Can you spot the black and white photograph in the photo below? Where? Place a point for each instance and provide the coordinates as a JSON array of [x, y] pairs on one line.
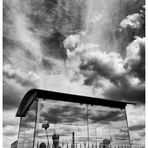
[[73, 73]]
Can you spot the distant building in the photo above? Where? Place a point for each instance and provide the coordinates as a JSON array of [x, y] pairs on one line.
[[14, 144]]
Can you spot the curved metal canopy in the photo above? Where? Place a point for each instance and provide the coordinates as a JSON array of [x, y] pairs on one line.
[[33, 94]]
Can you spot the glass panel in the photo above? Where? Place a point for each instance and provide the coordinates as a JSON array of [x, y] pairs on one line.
[[26, 131], [107, 127], [72, 125], [67, 124]]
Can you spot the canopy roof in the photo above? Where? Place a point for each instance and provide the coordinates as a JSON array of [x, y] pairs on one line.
[[33, 94]]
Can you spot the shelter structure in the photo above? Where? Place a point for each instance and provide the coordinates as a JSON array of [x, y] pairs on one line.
[[58, 120]]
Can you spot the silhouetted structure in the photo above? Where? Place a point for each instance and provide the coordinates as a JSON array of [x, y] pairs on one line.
[[85, 117]]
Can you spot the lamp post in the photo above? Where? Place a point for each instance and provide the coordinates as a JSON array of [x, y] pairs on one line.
[[73, 140], [46, 126]]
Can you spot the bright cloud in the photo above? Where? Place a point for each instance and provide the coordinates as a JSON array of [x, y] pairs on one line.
[[133, 21], [135, 58]]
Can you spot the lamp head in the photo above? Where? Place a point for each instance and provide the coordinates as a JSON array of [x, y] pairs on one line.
[[45, 125]]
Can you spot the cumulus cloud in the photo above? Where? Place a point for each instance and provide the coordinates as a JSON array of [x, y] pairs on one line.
[[133, 21], [135, 58], [95, 68], [71, 42], [110, 64], [93, 62], [93, 65]]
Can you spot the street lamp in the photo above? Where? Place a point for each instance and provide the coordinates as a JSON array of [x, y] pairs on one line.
[[46, 126]]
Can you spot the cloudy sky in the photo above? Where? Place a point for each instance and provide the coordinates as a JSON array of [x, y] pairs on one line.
[[93, 48]]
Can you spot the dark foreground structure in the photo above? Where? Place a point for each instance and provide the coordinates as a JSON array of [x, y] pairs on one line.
[[57, 120]]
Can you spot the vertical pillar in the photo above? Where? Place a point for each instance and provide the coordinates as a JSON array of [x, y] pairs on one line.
[[73, 139], [87, 125], [35, 128], [127, 127]]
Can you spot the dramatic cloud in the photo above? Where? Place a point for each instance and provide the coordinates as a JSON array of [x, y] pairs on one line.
[[95, 66], [135, 74], [93, 48], [69, 114], [64, 114], [133, 21], [104, 117], [135, 59], [133, 94], [71, 42], [21, 81]]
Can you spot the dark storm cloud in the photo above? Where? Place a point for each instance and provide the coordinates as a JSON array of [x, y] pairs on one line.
[[52, 116], [8, 43], [65, 114], [69, 114], [133, 94], [15, 84], [54, 46], [47, 64], [11, 97], [94, 68], [137, 127], [104, 117], [124, 90]]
